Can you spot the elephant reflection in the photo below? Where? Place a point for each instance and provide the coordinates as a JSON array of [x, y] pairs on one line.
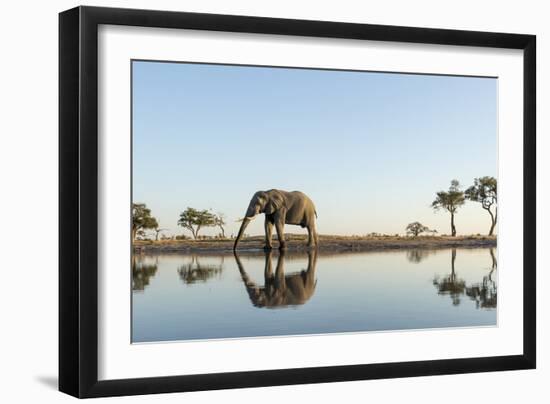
[[484, 293], [280, 290], [142, 272], [194, 271]]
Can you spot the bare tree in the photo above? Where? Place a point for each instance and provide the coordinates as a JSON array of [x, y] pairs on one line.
[[219, 221], [157, 232]]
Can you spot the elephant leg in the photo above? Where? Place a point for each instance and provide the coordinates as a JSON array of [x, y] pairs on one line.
[[279, 225], [310, 242], [312, 236], [268, 225]]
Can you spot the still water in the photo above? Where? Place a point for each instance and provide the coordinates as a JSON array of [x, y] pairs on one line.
[[183, 296]]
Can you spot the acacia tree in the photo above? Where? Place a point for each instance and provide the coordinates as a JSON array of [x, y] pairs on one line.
[[219, 220], [194, 220], [450, 201], [484, 191], [142, 219], [416, 228]]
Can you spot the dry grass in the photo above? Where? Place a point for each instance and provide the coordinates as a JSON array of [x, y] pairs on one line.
[[298, 242]]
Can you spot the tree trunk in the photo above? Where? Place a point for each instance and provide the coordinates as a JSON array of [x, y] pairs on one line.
[[493, 221], [492, 227], [134, 231], [453, 228]]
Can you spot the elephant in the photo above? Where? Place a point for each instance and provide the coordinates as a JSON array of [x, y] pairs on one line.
[[280, 290], [280, 208]]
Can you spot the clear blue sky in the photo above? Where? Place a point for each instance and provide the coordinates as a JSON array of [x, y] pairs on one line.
[[370, 149]]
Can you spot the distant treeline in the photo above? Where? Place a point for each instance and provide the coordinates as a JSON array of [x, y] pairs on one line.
[[191, 219], [483, 191]]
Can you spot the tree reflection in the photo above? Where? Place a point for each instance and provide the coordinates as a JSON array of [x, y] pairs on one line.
[[450, 284], [416, 256], [280, 290], [195, 271], [483, 293], [142, 271]]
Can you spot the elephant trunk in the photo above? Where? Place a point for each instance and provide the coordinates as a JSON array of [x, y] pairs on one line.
[[244, 224]]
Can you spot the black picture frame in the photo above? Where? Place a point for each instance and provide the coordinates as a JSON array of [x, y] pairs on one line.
[[78, 201]]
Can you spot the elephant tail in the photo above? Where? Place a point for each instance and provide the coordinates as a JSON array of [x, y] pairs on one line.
[[315, 214]]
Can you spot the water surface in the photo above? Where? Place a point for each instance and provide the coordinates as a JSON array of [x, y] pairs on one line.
[[186, 296]]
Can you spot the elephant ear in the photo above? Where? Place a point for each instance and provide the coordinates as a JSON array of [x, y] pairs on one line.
[[274, 203]]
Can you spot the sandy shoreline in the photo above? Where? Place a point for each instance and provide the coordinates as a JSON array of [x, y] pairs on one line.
[[327, 244]]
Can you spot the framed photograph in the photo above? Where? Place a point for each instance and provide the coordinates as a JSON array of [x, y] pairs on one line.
[[250, 201]]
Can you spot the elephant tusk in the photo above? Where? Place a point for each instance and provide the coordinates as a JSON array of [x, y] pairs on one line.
[[247, 218]]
